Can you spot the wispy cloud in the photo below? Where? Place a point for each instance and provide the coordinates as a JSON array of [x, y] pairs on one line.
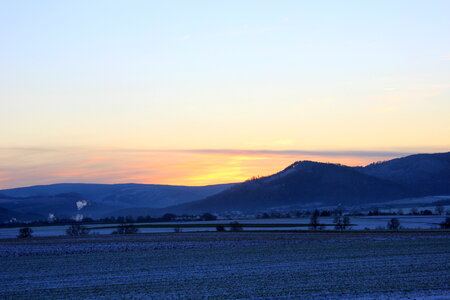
[[358, 153], [301, 152], [385, 108], [185, 37], [245, 30], [446, 57]]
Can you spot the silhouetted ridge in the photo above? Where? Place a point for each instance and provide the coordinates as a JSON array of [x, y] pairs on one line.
[[422, 174], [103, 199], [301, 183]]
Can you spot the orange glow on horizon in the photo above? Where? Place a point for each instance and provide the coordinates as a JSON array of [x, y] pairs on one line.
[[193, 168], [236, 168]]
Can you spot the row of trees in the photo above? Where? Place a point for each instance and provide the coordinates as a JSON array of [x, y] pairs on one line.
[[438, 210], [80, 230], [343, 223], [340, 223], [234, 226], [168, 217]]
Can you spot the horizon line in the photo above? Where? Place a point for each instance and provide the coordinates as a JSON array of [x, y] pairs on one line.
[[357, 153]]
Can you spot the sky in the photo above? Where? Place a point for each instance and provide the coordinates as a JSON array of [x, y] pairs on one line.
[[206, 92]]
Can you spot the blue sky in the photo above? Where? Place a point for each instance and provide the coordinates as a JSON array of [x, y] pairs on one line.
[[238, 75]]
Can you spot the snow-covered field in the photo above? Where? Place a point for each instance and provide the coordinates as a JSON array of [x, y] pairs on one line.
[[307, 265]]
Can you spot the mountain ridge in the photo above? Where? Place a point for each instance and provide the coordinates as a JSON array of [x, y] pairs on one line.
[[334, 184], [60, 199], [301, 183]]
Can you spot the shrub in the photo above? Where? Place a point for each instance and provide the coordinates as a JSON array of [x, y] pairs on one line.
[[208, 217], [77, 230], [235, 226], [445, 224], [440, 209], [168, 217], [25, 232], [126, 229], [220, 228]]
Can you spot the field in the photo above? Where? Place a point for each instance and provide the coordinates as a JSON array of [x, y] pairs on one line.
[[228, 265]]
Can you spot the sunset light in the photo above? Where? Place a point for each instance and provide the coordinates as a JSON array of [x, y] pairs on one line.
[[199, 149]]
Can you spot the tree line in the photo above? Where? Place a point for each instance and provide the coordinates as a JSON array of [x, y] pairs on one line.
[[168, 217]]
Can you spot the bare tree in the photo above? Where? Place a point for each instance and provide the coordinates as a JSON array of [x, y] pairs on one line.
[[314, 220], [346, 222], [445, 224], [235, 226], [393, 224], [220, 227], [77, 230], [25, 232], [336, 219], [439, 209], [338, 222], [342, 223], [126, 229]]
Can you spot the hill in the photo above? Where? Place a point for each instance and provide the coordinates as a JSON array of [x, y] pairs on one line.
[[324, 184], [6, 215], [303, 182], [101, 199], [422, 174]]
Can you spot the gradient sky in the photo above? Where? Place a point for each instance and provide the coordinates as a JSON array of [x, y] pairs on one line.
[[190, 92]]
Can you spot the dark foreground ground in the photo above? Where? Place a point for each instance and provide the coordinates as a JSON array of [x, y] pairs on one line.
[[377, 265]]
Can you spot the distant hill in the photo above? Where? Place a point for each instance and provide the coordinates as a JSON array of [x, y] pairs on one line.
[[60, 199], [300, 183], [6, 215], [322, 184], [304, 183], [422, 174]]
